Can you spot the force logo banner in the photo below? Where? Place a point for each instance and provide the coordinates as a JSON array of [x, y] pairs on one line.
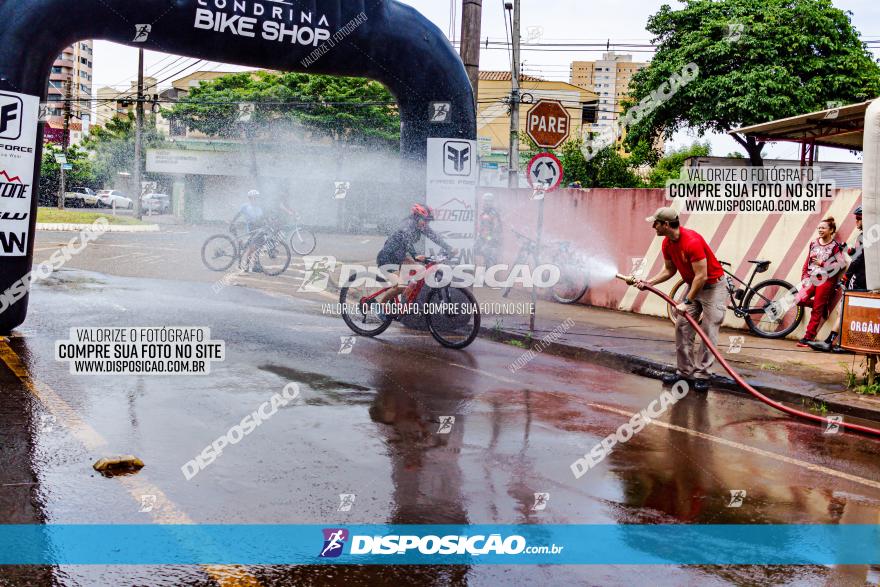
[[18, 139], [452, 184]]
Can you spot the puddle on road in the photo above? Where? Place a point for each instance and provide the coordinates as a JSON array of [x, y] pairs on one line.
[[332, 391], [72, 281]]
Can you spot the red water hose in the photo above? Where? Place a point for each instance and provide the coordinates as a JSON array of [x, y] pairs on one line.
[[742, 382]]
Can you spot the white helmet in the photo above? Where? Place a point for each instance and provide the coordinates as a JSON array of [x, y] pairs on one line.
[[488, 197], [253, 194]]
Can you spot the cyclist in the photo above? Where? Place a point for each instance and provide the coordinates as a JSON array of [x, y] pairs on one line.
[[399, 249], [254, 220], [488, 244]]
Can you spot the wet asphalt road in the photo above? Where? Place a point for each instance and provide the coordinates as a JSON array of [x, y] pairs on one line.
[[367, 423]]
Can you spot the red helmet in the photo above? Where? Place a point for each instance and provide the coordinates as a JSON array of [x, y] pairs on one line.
[[423, 212]]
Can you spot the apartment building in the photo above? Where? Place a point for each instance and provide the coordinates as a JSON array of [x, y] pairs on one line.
[[609, 77], [76, 64]]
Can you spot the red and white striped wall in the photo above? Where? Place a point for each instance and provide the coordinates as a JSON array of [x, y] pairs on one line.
[[610, 224]]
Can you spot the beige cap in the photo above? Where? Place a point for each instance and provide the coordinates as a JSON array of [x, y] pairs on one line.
[[663, 215]]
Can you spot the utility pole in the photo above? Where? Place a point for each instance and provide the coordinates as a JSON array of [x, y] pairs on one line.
[[139, 136], [513, 179], [471, 22], [65, 137]]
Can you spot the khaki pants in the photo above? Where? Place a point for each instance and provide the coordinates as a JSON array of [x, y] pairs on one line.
[[712, 304]]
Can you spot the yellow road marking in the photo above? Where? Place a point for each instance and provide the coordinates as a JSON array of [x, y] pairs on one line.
[[165, 511], [751, 449]]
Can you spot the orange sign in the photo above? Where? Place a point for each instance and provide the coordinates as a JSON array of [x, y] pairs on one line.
[[548, 123], [860, 324]]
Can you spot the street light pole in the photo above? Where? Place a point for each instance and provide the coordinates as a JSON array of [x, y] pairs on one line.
[[139, 137], [513, 178], [65, 139]]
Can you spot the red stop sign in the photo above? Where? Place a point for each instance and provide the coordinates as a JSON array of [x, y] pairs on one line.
[[548, 123]]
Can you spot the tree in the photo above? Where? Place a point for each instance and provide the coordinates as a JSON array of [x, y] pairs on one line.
[[669, 167], [82, 175], [607, 169], [791, 57], [113, 147], [352, 109]]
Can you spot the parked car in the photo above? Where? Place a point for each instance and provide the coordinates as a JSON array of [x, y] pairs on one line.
[[117, 198], [80, 197], [156, 203]]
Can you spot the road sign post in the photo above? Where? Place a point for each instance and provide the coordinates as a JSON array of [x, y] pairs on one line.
[[544, 174], [548, 123]]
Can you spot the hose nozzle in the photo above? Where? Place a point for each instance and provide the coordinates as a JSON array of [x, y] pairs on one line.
[[629, 279]]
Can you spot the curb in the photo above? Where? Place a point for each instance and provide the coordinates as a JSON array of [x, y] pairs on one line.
[[655, 369], [108, 228]]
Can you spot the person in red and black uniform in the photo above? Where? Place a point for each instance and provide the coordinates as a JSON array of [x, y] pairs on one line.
[[854, 280], [823, 270], [488, 245]]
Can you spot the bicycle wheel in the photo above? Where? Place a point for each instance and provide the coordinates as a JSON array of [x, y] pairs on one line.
[[771, 311], [303, 241], [573, 282], [357, 314], [219, 252], [456, 324], [274, 257]]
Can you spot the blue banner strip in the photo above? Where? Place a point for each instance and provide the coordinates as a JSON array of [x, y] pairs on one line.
[[436, 544]]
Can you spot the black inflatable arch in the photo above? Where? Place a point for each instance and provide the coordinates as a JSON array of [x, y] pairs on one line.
[[379, 39]]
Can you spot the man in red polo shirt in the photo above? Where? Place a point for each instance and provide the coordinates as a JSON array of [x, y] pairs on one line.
[[686, 252]]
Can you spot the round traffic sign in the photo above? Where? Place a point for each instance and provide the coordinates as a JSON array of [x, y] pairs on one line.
[[544, 172]]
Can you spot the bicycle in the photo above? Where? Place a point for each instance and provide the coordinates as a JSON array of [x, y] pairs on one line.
[[300, 239], [455, 325], [772, 300], [573, 281], [221, 251]]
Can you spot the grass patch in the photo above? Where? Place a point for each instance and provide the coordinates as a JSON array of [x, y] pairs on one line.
[[859, 383], [770, 367], [867, 389], [56, 216], [818, 407], [517, 343]]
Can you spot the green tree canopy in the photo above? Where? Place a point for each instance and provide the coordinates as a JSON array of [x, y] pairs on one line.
[[82, 175], [792, 57], [112, 146], [342, 108], [607, 169], [669, 166]]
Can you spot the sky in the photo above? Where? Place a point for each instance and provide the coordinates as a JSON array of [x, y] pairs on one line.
[[553, 21]]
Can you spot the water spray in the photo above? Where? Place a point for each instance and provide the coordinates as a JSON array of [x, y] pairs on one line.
[[631, 280]]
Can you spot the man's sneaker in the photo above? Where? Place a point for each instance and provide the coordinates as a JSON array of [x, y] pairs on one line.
[[673, 378], [701, 385], [257, 269], [804, 343]]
